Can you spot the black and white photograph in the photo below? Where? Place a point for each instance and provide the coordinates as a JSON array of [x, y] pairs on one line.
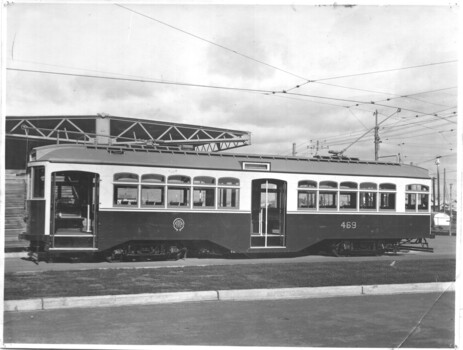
[[269, 174]]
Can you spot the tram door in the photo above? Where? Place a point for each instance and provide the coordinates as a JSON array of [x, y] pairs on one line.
[[268, 213], [74, 208]]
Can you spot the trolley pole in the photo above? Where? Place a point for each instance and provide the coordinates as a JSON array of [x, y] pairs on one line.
[[377, 139]]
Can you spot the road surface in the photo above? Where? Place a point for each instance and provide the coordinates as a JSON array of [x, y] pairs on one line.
[[407, 320]]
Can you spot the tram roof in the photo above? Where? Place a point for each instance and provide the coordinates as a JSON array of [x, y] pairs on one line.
[[106, 155]]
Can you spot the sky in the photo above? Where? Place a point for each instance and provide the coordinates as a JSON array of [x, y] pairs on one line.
[[286, 73]]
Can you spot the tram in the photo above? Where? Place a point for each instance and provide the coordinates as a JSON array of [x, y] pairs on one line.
[[127, 203]]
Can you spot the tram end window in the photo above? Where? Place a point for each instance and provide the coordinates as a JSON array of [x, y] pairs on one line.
[[38, 182], [423, 202], [410, 201]]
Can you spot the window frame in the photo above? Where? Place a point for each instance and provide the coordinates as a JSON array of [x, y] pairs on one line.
[[223, 187]]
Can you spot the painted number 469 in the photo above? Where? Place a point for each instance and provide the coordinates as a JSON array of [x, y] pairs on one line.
[[349, 225]]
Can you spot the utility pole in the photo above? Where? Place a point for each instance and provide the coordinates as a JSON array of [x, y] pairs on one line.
[[438, 183], [377, 139], [451, 211], [444, 190], [434, 194]]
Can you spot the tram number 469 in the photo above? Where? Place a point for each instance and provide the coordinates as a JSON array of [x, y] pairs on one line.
[[349, 225]]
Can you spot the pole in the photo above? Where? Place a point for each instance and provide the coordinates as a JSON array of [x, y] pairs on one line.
[[438, 182], [294, 149], [451, 211], [433, 193], [444, 190], [376, 136]]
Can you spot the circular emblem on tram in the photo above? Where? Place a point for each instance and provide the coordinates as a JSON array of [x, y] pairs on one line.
[[178, 224]]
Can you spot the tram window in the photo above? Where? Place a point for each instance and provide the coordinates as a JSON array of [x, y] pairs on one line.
[[152, 196], [348, 200], [179, 179], [126, 195], [368, 186], [38, 184], [228, 198], [390, 187], [387, 200], [367, 200], [327, 200], [178, 197], [307, 184], [410, 201], [423, 201], [229, 181], [328, 184], [417, 200], [203, 197], [307, 199], [126, 177], [153, 178], [418, 188], [352, 185], [204, 180]]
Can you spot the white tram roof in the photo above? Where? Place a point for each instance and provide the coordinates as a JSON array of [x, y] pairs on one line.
[[107, 155]]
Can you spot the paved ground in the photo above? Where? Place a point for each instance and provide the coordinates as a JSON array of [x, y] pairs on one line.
[[409, 320], [444, 246]]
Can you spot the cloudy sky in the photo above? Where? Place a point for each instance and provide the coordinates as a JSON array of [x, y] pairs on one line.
[[292, 73]]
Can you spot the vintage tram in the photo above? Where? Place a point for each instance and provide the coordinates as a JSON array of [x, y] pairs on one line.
[[130, 203]]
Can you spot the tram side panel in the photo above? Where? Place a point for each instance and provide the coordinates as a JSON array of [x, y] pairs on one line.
[[306, 230], [229, 230]]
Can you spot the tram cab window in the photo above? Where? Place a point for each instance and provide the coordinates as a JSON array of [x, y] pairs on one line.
[[38, 182], [328, 195], [228, 193], [307, 194], [348, 195], [417, 198], [387, 196], [178, 195], [368, 196]]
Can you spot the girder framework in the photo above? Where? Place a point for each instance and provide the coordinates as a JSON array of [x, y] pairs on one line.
[[112, 130]]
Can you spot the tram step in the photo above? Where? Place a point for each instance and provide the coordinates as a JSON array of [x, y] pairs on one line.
[[73, 241]]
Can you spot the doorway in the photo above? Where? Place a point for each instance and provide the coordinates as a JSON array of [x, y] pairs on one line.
[[268, 213]]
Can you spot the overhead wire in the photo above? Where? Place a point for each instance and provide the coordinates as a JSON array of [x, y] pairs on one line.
[[286, 71], [209, 41]]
